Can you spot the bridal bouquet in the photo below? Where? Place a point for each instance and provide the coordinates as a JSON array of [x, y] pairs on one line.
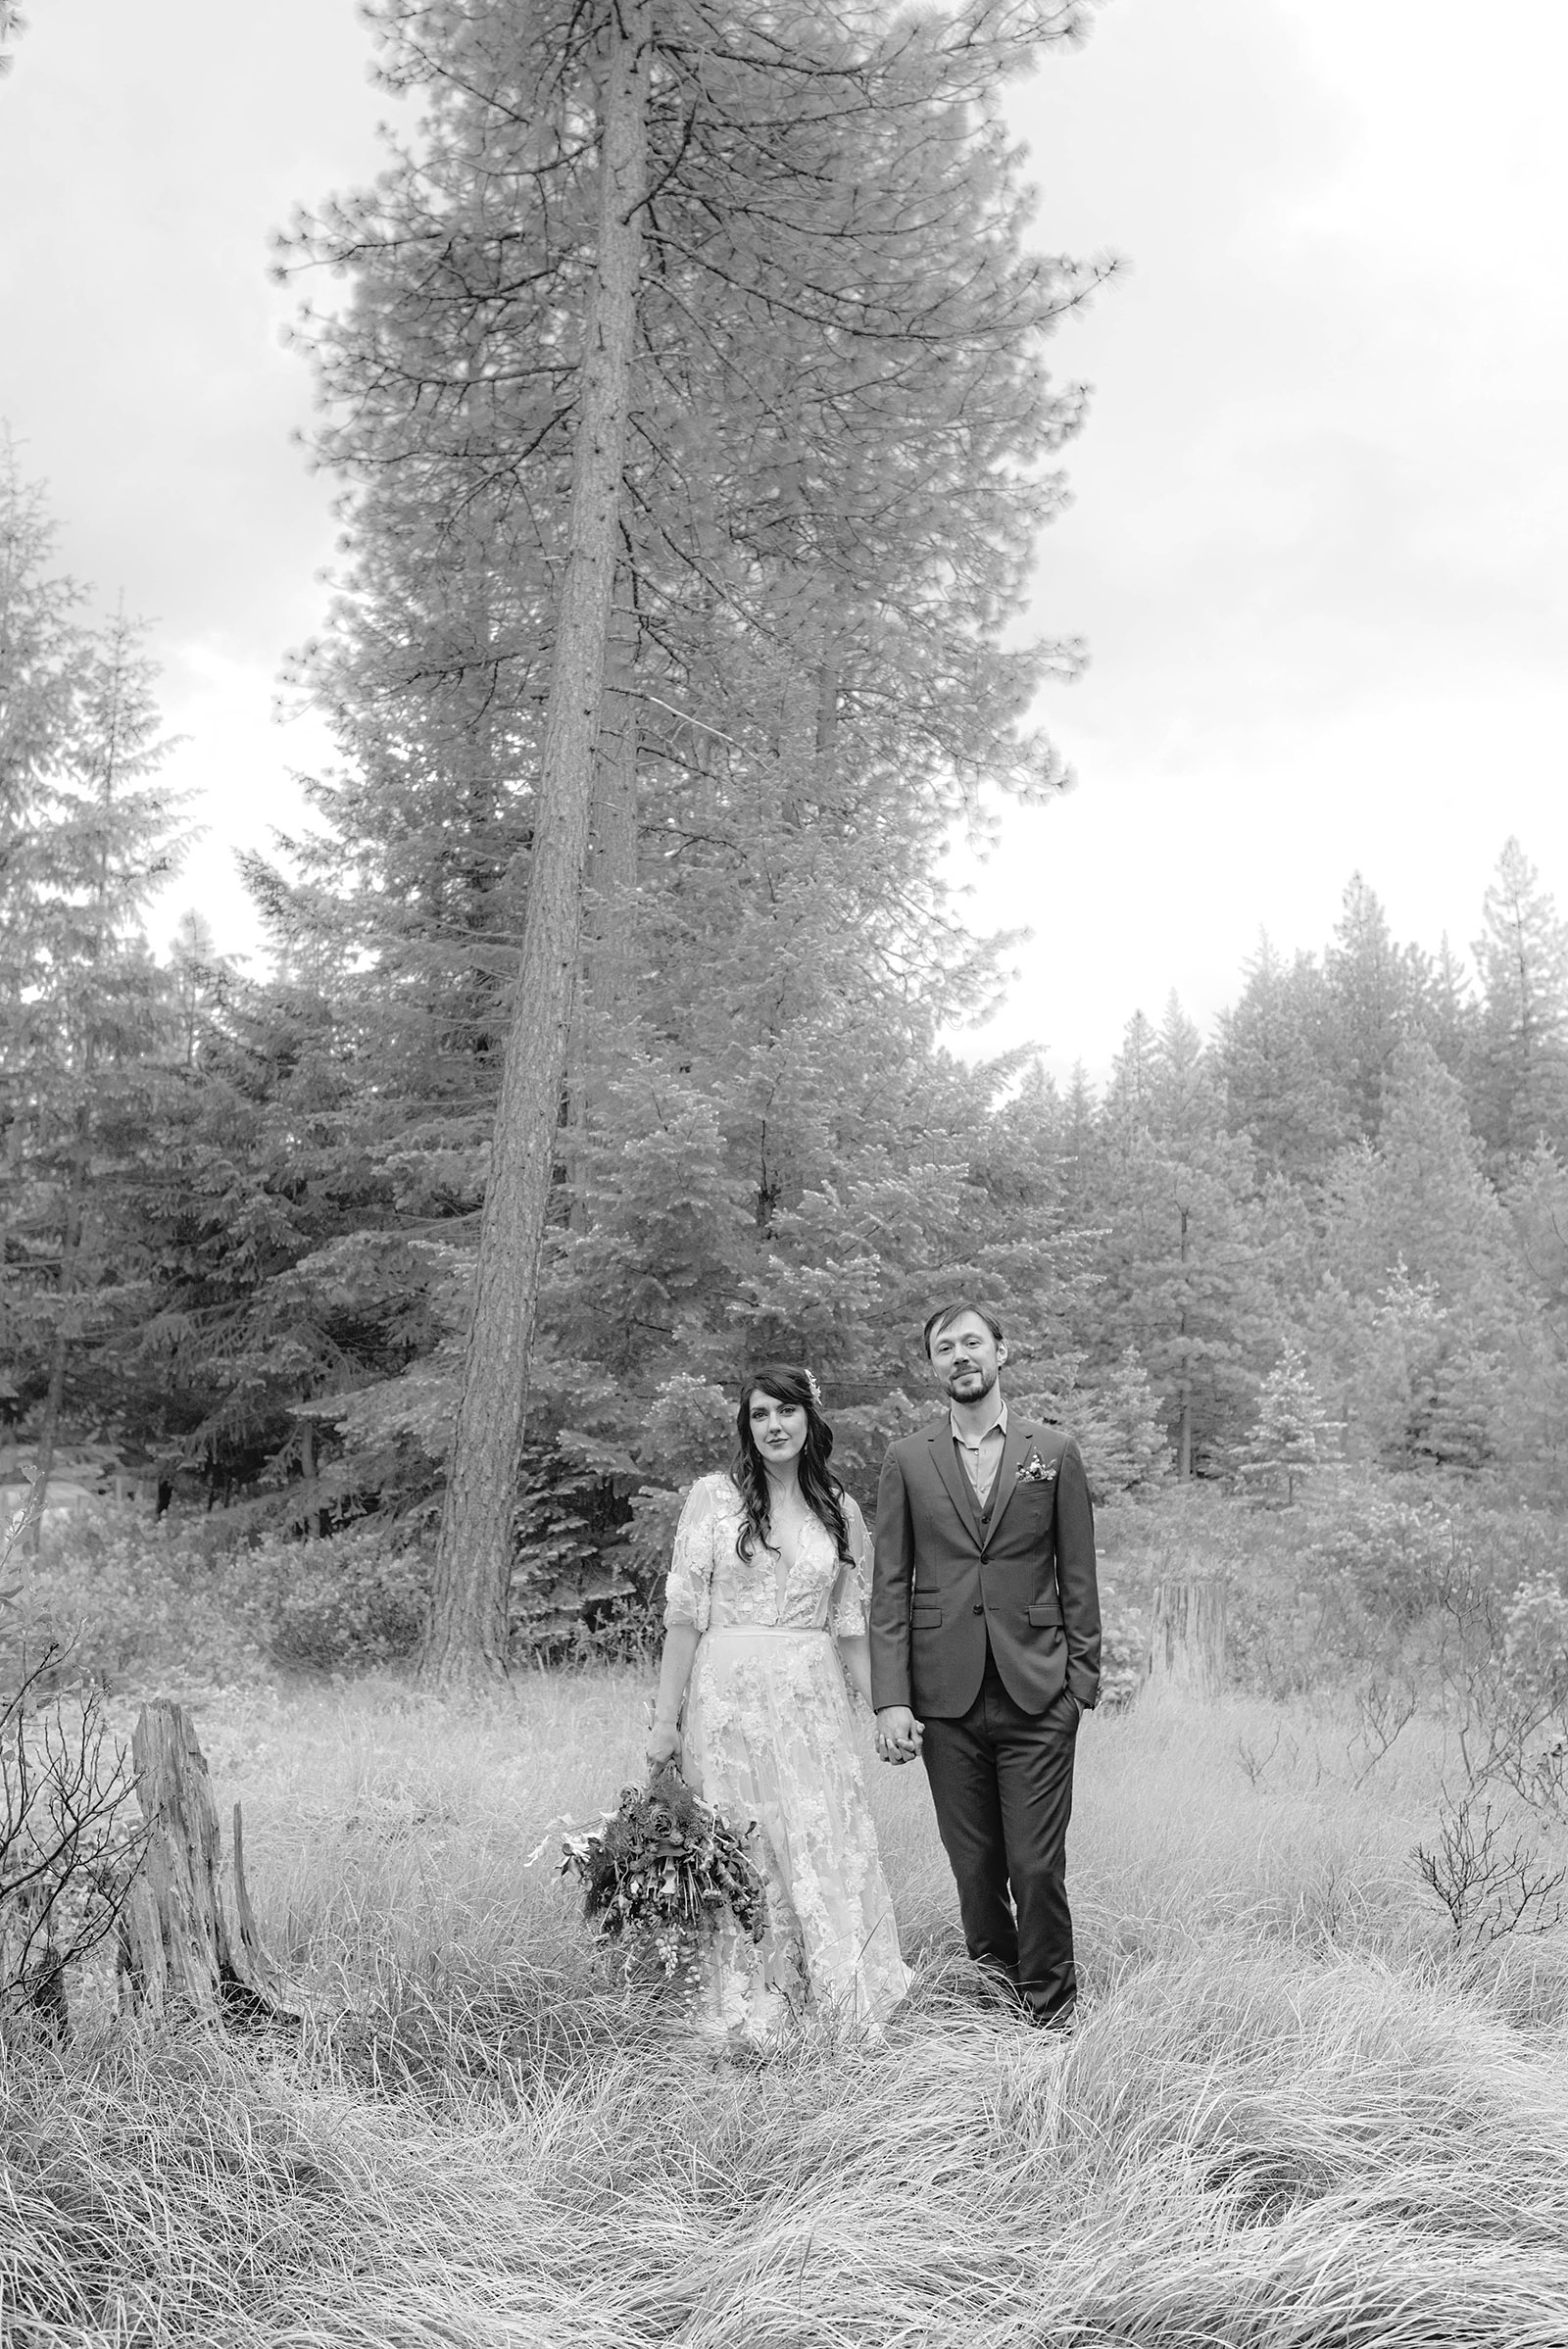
[[659, 1864]]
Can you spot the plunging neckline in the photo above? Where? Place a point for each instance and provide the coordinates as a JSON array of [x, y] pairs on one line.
[[785, 1567]]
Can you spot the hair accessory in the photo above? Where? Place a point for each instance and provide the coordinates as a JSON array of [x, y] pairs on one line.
[[813, 1389]]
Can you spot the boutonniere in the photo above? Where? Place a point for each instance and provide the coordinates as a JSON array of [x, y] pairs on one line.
[[1035, 1470]]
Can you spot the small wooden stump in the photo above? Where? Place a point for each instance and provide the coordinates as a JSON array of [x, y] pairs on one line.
[[1187, 1640], [176, 1948]]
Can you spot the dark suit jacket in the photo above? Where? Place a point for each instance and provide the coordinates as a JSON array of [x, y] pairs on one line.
[[940, 1585]]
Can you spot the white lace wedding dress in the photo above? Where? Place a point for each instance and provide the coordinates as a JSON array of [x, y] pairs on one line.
[[768, 1737]]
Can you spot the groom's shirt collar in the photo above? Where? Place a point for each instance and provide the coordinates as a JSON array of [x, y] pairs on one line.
[[982, 1455]]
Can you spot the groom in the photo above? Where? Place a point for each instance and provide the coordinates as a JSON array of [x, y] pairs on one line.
[[984, 1650]]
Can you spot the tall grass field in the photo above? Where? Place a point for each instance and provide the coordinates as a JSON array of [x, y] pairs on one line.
[[1292, 2114]]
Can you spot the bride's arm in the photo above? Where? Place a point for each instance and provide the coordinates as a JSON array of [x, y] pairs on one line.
[[856, 1659], [849, 1604], [687, 1597], [675, 1671]]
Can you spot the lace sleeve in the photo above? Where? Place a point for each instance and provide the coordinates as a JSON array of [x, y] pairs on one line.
[[855, 1579], [688, 1587]]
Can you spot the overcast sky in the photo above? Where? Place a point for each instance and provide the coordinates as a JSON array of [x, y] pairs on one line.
[[1316, 543]]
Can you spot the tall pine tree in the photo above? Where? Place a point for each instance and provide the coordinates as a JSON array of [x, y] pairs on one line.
[[1520, 1081], [823, 509], [1181, 1257]]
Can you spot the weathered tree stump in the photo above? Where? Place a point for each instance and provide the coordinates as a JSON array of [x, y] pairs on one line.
[[177, 1948], [1187, 1639]]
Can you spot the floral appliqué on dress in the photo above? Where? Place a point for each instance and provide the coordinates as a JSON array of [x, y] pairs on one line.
[[770, 1736]]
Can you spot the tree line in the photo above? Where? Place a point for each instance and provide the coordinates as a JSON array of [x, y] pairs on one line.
[[694, 437], [242, 1210]]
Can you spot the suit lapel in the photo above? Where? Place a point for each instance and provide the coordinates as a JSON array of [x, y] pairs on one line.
[[959, 1488], [1015, 1451]]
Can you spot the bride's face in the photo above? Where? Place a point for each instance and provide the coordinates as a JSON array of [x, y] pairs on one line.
[[778, 1430]]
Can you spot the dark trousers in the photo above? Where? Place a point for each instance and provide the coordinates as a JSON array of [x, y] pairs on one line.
[[1001, 1783]]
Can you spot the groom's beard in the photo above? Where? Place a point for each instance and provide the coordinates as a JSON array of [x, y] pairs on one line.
[[962, 1391]]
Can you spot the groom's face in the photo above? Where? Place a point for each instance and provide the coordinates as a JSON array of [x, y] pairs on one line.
[[966, 1358]]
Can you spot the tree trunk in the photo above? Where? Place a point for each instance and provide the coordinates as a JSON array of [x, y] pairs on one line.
[[465, 1633], [612, 856], [177, 1948], [311, 1515], [1187, 1643], [609, 900], [58, 1347], [1184, 1422]]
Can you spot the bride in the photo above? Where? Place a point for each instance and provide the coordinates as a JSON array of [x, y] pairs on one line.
[[764, 1617]]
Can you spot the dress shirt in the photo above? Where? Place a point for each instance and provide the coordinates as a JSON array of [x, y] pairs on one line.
[[983, 1456]]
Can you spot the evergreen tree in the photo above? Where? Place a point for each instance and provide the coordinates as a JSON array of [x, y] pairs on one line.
[[1276, 1057], [77, 1050], [821, 520], [1180, 1259], [1449, 1015], [1426, 1201], [1415, 1225], [1424, 1392], [43, 644], [1454, 1416], [1115, 1416], [1520, 1082], [202, 979], [1286, 1439], [1373, 997], [1536, 1200]]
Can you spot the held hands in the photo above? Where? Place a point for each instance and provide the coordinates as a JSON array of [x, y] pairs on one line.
[[898, 1734]]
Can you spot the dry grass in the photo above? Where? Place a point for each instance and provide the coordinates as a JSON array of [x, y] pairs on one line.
[[1287, 2118]]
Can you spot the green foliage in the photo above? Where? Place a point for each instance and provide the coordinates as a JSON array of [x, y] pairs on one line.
[[1284, 1087], [354, 1601], [575, 1587], [1520, 1063], [1383, 1603], [86, 834], [1374, 993], [1117, 1420], [1180, 1258], [1286, 1441], [239, 1217], [141, 1605]]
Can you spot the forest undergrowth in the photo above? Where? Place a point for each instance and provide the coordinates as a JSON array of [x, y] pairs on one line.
[[1292, 2112]]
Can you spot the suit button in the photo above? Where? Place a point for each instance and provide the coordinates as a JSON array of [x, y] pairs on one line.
[[979, 1610]]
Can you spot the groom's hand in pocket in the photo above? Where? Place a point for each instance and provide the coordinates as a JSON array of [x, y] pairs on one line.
[[898, 1734]]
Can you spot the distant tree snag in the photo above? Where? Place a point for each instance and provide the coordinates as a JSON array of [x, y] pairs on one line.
[[465, 1636], [1187, 1643]]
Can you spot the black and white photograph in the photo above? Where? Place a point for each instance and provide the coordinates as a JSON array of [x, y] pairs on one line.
[[783, 1175]]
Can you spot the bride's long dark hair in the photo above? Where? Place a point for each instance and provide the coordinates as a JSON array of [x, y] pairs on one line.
[[821, 1491]]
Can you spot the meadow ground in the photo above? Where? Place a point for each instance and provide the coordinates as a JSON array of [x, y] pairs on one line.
[[1289, 2116]]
